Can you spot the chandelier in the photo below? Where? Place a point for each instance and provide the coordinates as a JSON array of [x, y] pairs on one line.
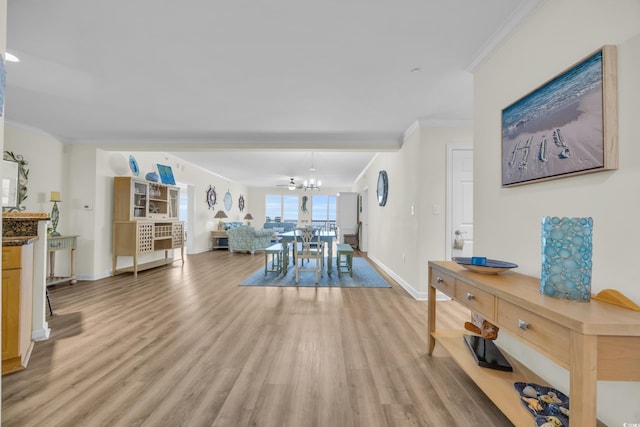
[[312, 183]]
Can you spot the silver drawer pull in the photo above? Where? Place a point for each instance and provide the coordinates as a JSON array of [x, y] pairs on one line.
[[523, 325], [470, 296], [439, 279]]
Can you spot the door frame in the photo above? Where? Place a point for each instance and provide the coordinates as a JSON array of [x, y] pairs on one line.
[[448, 241]]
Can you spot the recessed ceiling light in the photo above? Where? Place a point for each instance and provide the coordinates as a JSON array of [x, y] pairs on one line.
[[11, 58]]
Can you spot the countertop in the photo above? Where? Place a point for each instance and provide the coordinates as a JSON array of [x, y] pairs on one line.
[[21, 228], [18, 240], [26, 215]]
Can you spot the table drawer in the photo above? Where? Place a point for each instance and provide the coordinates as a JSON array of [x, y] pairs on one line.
[[476, 299], [443, 282], [547, 336]]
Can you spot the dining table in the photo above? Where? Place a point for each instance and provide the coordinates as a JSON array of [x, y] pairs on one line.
[[325, 236]]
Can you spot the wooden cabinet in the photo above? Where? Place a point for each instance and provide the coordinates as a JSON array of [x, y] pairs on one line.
[[594, 341], [145, 221], [136, 199], [17, 301]]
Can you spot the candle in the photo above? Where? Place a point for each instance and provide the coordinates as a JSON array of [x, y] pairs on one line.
[[55, 196]]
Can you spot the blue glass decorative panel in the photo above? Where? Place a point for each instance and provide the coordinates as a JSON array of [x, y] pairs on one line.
[[566, 258]]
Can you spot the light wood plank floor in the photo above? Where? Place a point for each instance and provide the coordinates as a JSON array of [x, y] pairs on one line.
[[188, 346]]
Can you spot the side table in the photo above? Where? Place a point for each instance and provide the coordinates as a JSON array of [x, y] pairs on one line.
[[219, 240], [61, 243]]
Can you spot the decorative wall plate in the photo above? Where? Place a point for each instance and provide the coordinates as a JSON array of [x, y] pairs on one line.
[[212, 197], [133, 165], [228, 201], [383, 187], [241, 203]]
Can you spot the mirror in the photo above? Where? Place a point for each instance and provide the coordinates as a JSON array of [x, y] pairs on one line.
[[14, 182]]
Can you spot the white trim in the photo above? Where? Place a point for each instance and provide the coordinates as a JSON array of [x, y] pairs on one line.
[[91, 277], [420, 296], [29, 128], [441, 297], [234, 141], [417, 295], [366, 168], [515, 19], [410, 130], [39, 326], [445, 123], [224, 178], [42, 334]]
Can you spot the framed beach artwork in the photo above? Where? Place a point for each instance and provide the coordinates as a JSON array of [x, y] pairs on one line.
[[566, 127], [166, 174]]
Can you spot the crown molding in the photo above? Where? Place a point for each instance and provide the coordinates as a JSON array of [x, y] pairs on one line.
[[32, 129], [501, 34], [444, 123], [410, 130], [317, 141]]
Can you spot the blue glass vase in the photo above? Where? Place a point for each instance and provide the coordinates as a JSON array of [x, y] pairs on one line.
[[566, 258]]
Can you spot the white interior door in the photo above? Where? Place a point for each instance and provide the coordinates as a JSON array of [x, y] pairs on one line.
[[460, 201], [364, 219]]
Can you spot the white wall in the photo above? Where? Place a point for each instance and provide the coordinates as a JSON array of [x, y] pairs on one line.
[[507, 220], [47, 161], [399, 242]]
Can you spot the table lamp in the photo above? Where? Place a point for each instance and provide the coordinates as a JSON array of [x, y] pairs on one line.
[[55, 213], [220, 214], [248, 217]]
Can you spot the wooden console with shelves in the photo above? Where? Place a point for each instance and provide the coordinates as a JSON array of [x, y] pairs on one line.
[[145, 220], [593, 341]]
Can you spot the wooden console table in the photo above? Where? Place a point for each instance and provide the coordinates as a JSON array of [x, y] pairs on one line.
[[593, 341], [61, 243]]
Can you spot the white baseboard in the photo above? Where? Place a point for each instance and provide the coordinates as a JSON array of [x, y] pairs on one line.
[[93, 276], [420, 296], [41, 334], [441, 297]]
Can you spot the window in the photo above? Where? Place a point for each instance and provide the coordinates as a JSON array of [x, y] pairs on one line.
[[290, 208], [285, 207], [323, 211], [273, 206]]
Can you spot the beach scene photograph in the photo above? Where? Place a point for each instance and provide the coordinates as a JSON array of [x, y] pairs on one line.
[[557, 129]]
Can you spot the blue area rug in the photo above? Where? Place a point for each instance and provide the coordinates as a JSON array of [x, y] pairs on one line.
[[364, 276]]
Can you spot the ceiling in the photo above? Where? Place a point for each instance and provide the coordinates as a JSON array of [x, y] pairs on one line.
[[222, 84]]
